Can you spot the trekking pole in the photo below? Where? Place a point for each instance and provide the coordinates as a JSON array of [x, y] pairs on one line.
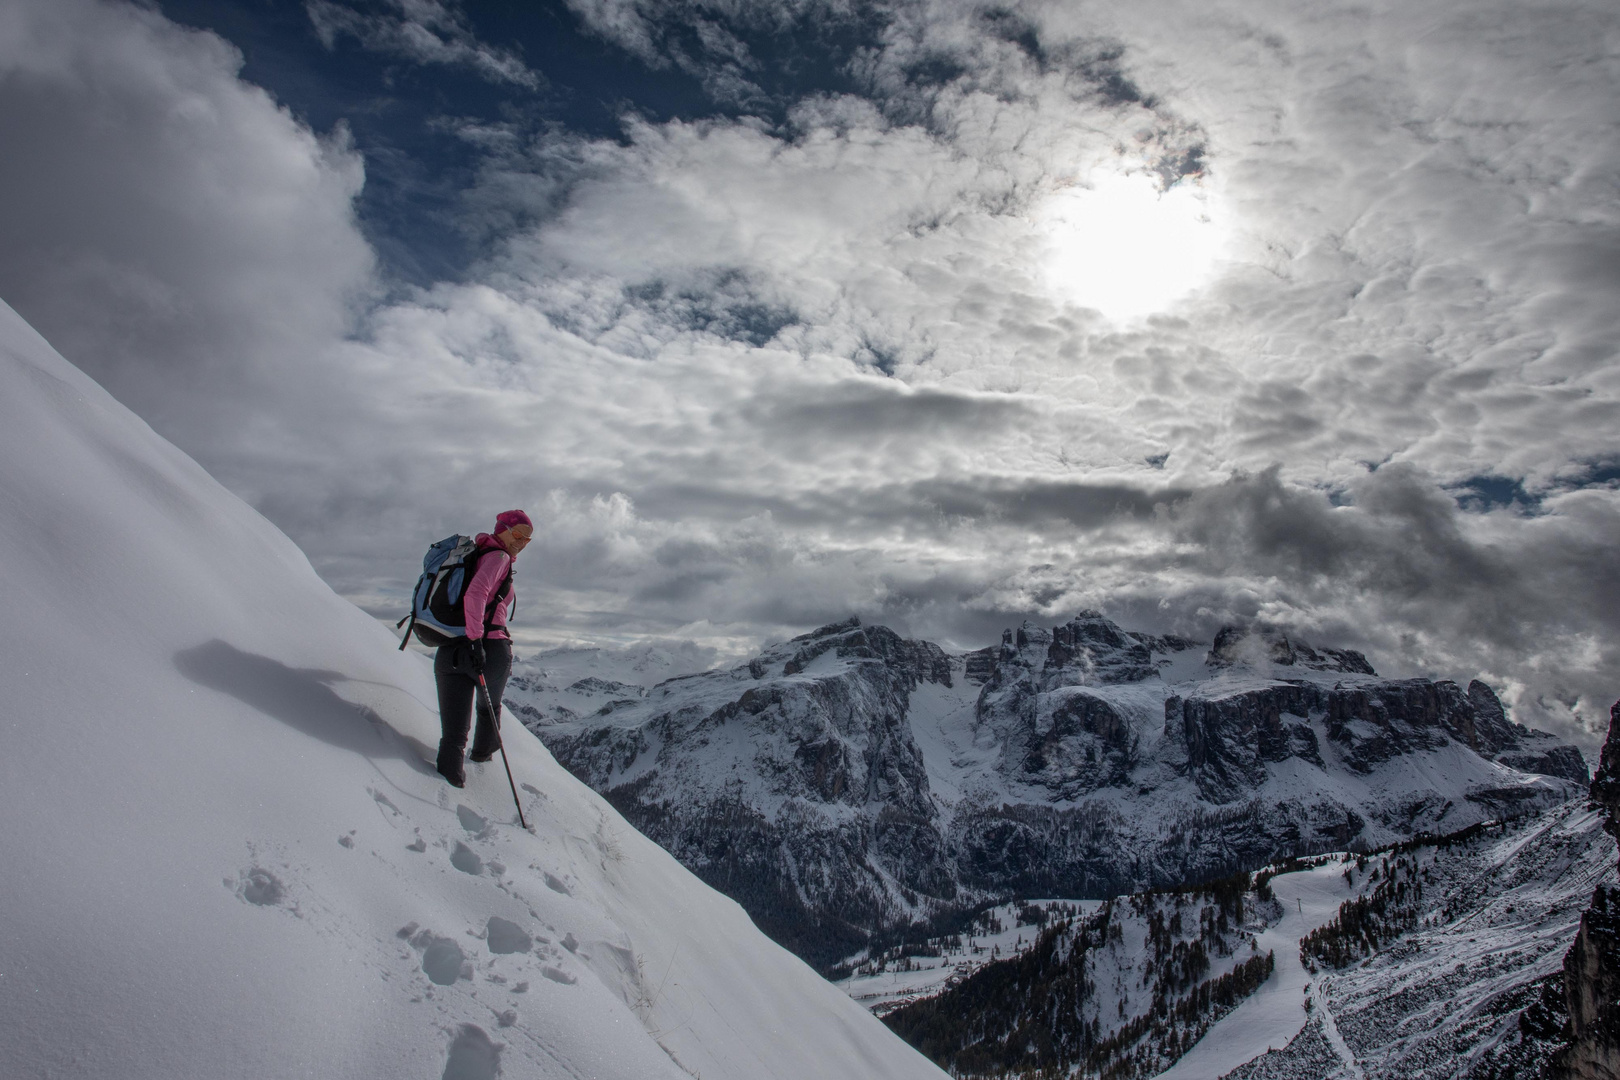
[[500, 744]]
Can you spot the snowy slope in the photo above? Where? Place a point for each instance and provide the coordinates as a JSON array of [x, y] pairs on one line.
[[1451, 967], [224, 854], [1458, 995], [1122, 991], [1275, 1013]]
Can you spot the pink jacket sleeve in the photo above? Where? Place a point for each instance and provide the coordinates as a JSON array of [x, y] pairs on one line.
[[491, 570]]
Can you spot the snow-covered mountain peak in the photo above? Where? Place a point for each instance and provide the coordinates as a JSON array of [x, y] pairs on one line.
[[1264, 650], [1088, 649]]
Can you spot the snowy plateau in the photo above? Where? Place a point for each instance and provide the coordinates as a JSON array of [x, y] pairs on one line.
[[854, 790], [225, 853]]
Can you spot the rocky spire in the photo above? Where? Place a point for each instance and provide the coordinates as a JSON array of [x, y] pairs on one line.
[[1592, 966]]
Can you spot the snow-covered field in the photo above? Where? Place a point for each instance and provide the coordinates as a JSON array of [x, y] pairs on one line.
[[225, 854], [881, 984]]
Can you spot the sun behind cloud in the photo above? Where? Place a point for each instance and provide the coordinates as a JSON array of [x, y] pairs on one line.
[[1125, 248]]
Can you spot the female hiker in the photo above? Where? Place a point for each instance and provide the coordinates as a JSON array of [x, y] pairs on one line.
[[486, 649]]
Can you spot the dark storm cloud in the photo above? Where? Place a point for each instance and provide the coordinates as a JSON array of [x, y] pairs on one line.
[[926, 507], [878, 412], [1414, 577], [1401, 538]]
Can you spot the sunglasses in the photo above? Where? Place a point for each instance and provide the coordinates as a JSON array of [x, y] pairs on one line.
[[522, 532]]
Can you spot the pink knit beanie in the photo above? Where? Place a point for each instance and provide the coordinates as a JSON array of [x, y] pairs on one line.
[[509, 518]]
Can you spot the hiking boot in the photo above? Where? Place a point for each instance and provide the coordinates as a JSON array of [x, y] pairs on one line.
[[448, 764], [481, 756]]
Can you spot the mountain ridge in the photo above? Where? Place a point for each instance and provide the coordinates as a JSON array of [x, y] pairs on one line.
[[851, 784]]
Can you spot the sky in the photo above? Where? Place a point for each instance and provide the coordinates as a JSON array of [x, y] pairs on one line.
[[945, 314]]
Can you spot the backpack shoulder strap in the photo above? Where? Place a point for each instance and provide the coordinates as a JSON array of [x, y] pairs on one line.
[[502, 591]]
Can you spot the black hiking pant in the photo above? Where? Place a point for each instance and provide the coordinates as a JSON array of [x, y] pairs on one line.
[[458, 689]]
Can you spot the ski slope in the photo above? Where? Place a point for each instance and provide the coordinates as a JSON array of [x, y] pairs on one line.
[[1275, 1013], [225, 854], [1463, 993]]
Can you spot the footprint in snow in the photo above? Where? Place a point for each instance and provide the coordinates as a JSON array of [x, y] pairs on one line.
[[505, 936], [466, 860], [470, 820], [259, 886], [383, 800], [554, 883], [473, 1055], [558, 975], [443, 960]]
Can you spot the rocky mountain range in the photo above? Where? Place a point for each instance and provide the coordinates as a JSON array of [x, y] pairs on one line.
[[850, 785]]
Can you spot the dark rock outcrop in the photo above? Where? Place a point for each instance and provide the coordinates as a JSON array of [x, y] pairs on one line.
[[1054, 733], [1516, 746], [916, 661], [1592, 966], [980, 664], [1236, 645], [1229, 739]]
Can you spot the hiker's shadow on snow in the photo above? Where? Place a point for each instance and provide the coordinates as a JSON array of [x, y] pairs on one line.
[[301, 698]]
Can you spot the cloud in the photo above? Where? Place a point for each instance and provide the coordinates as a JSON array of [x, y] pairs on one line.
[[167, 226], [422, 31], [753, 373], [745, 55], [1404, 571]]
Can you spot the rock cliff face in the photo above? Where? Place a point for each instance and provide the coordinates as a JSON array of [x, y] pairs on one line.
[[850, 782], [793, 783], [1592, 967], [1229, 740]]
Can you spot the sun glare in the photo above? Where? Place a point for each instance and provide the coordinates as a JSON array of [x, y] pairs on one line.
[[1127, 249]]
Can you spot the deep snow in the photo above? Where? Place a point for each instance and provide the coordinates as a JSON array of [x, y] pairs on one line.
[[225, 855]]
